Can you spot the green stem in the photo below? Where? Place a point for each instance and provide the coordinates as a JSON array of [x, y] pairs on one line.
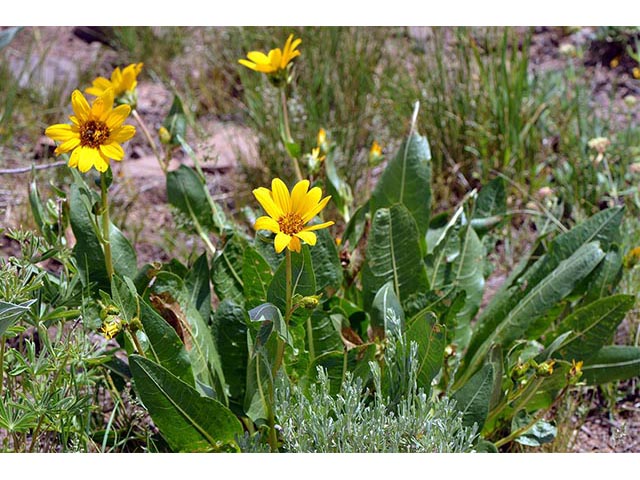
[[145, 131], [312, 353], [136, 342], [106, 226], [287, 130], [287, 311]]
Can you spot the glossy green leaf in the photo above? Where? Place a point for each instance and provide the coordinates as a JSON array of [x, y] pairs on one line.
[[406, 180], [490, 206], [387, 316], [474, 397], [256, 277], [326, 329], [187, 192], [539, 433], [327, 268], [593, 326], [543, 296], [611, 363], [196, 283], [188, 421], [605, 277], [355, 228], [230, 332], [393, 254], [226, 272], [603, 227], [430, 339]]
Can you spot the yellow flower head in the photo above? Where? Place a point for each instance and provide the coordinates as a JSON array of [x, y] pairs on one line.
[[111, 327], [95, 134], [632, 258], [322, 140], [636, 73], [375, 154], [289, 213], [122, 81], [276, 61], [576, 368]]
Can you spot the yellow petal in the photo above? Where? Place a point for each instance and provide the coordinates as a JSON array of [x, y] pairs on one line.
[[295, 245], [61, 132], [100, 84], [267, 223], [68, 145], [307, 236], [282, 240], [74, 158], [311, 199], [318, 226], [102, 105], [280, 194], [88, 157], [101, 163], [314, 211], [264, 198], [80, 106], [248, 64], [275, 57], [258, 58], [117, 116], [122, 134], [112, 150], [298, 194]]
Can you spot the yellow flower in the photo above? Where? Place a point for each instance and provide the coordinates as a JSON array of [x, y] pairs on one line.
[[375, 154], [122, 81], [636, 73], [96, 133], [276, 61], [111, 327], [289, 213], [322, 140], [576, 368]]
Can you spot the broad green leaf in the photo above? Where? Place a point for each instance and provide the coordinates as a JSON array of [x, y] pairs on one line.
[[326, 263], [387, 316], [188, 422], [603, 227], [326, 329], [336, 364], [256, 277], [605, 277], [430, 339], [467, 275], [124, 295], [302, 277], [165, 345], [393, 254], [176, 121], [355, 228], [226, 272], [268, 313], [593, 326], [491, 205], [196, 283], [543, 296], [474, 397], [88, 249], [407, 180], [202, 350], [186, 192], [611, 363], [10, 313], [230, 332]]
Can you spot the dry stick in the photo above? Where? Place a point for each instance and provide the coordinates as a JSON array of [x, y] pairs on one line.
[[149, 138], [11, 171]]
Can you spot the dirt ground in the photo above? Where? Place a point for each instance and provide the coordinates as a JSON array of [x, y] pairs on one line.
[[141, 179]]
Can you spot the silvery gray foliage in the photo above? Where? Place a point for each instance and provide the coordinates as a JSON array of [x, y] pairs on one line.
[[359, 421]]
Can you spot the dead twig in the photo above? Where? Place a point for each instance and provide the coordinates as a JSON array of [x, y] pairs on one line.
[[10, 171]]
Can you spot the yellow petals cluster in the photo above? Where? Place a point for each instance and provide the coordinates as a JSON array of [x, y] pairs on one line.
[[96, 132], [288, 213], [121, 82], [375, 154], [276, 60]]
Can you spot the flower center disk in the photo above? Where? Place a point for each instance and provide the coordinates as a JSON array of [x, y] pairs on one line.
[[93, 134], [291, 223]]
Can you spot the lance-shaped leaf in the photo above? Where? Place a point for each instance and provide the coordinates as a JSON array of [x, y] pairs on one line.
[[544, 296], [407, 180], [326, 263], [187, 192], [611, 363], [393, 254], [188, 421], [10, 313], [226, 273], [256, 277], [490, 207], [593, 326], [430, 339], [197, 285], [387, 316], [474, 397]]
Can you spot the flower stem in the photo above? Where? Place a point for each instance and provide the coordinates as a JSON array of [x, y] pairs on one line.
[[106, 226], [152, 143], [287, 131], [312, 353]]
